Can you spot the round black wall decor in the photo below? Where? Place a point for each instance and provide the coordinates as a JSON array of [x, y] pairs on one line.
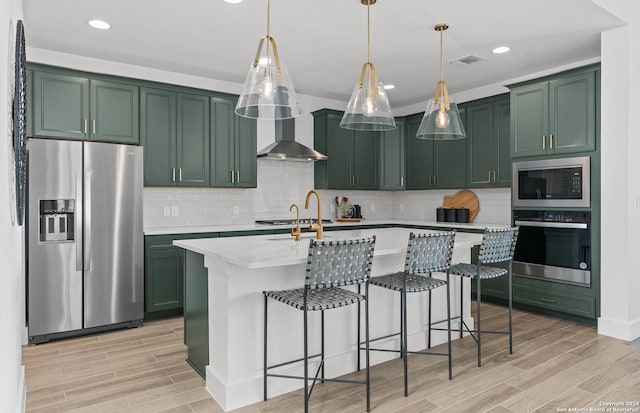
[[20, 123]]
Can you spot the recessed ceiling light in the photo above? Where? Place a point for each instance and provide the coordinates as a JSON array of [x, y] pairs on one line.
[[233, 1], [99, 24], [389, 86], [501, 49]]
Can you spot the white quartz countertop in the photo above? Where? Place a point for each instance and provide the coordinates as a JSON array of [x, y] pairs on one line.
[[263, 251], [255, 227]]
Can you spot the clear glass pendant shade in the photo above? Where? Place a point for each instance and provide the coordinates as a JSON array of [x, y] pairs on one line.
[[440, 123], [368, 110], [267, 94]]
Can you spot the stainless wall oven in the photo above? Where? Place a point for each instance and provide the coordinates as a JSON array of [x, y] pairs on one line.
[[552, 183], [554, 245]]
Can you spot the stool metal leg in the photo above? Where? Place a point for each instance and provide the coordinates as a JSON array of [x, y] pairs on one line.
[[402, 305], [366, 354], [358, 334], [461, 303], [448, 323], [306, 358], [404, 341], [510, 307], [264, 384], [478, 316], [429, 321], [322, 346]]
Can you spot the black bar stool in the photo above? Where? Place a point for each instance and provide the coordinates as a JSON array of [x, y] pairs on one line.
[[497, 246], [331, 265], [426, 253]]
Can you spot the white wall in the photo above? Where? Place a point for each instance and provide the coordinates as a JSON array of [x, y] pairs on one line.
[[12, 390], [620, 315]]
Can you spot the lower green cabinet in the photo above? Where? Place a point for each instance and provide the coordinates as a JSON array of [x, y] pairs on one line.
[[163, 284], [196, 312], [554, 296]]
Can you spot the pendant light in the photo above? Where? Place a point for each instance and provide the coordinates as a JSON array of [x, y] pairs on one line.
[[368, 108], [441, 120], [268, 92]]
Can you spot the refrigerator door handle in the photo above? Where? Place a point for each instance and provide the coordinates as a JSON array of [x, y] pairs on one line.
[[78, 221], [87, 221]]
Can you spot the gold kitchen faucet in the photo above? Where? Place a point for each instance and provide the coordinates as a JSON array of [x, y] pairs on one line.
[[318, 226]]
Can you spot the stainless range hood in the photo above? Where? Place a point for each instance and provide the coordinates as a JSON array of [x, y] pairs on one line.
[[285, 148]]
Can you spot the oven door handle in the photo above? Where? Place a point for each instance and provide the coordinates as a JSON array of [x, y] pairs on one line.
[[546, 224]]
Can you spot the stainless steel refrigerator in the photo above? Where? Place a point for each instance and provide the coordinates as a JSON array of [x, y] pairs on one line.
[[85, 262]]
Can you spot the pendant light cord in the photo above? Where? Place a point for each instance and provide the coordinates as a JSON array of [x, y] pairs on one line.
[[268, 30], [441, 59]]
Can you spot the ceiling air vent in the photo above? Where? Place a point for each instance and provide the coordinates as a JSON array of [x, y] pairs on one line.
[[466, 60]]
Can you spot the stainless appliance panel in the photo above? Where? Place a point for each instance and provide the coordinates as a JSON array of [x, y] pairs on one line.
[[54, 278], [554, 245], [114, 257], [551, 183]]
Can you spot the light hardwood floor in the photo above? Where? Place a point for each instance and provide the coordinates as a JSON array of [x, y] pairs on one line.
[[556, 364]]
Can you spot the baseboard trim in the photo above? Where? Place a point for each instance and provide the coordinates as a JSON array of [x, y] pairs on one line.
[[624, 330], [22, 393]]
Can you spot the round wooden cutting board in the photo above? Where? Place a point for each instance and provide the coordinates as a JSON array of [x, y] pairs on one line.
[[463, 199]]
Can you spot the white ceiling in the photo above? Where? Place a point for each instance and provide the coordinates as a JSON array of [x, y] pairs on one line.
[[323, 42]]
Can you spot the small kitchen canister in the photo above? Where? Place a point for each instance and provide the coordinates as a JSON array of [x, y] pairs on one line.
[[462, 215], [451, 214], [441, 215]]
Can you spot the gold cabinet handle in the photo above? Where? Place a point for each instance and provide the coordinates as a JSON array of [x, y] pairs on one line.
[[173, 174], [232, 178], [494, 176], [489, 177], [93, 126], [548, 300], [84, 126], [551, 141], [180, 174], [402, 181], [238, 176], [544, 141]]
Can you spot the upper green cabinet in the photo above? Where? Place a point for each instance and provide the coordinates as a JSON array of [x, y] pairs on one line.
[[554, 116], [488, 140], [434, 164], [233, 146], [351, 155], [175, 133], [392, 155], [78, 107]]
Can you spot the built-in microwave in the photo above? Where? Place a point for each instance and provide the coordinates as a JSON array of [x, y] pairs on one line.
[[559, 182]]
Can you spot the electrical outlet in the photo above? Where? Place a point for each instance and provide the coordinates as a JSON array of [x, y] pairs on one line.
[[167, 211], [236, 210], [373, 208], [401, 207], [174, 211]]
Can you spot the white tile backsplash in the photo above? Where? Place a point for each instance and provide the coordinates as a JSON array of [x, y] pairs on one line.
[[282, 183]]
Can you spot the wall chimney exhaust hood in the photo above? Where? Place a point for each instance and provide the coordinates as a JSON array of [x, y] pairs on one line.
[[285, 148]]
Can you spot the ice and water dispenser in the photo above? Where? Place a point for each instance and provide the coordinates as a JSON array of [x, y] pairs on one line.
[[57, 218]]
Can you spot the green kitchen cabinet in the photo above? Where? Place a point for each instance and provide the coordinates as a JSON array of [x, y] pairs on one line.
[[555, 297], [174, 130], [71, 105], [434, 164], [163, 283], [196, 312], [488, 141], [352, 156], [233, 146], [556, 115], [392, 156]]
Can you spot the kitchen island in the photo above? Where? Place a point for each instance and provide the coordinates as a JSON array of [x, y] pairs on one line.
[[229, 275]]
